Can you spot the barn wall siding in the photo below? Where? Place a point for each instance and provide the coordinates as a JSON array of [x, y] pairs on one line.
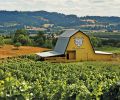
[[85, 52]]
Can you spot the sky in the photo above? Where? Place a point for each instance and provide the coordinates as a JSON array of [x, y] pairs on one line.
[[77, 7]]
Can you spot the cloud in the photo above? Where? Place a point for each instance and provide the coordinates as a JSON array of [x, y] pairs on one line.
[[78, 7]]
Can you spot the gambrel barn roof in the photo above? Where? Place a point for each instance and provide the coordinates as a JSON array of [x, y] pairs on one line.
[[69, 33], [63, 41]]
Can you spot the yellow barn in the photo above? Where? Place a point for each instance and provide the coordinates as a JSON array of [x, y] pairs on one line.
[[74, 45]]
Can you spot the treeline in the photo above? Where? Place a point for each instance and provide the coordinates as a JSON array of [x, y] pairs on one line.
[[100, 42], [22, 37], [42, 39]]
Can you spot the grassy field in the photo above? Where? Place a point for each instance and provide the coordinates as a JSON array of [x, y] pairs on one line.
[[11, 51], [109, 49]]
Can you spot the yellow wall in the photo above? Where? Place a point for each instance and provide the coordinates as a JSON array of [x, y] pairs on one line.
[[85, 51]]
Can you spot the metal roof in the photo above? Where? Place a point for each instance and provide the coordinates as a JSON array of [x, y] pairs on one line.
[[63, 40], [101, 52], [69, 33], [48, 54], [61, 44]]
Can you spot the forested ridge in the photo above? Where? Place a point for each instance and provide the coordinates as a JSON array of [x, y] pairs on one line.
[[19, 19]]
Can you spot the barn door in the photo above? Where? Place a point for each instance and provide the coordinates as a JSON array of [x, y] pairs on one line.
[[71, 55]]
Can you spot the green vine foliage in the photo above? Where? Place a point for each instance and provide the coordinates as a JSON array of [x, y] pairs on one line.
[[28, 79]]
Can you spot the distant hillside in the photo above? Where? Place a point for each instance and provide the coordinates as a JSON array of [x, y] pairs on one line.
[[12, 20], [39, 18]]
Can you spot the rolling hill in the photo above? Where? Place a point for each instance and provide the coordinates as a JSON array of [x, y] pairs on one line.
[[12, 20]]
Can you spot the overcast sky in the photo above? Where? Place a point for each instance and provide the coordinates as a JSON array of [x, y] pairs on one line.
[[77, 7]]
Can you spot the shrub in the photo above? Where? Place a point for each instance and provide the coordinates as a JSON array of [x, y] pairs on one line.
[[17, 45]]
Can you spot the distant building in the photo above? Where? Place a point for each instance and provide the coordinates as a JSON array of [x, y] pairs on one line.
[[31, 28], [115, 31], [89, 20], [48, 25], [104, 30]]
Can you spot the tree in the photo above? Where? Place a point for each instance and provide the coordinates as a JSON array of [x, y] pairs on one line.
[[1, 41], [41, 34], [54, 40], [96, 42], [40, 41], [48, 44], [17, 45], [21, 31], [40, 38], [24, 40], [22, 36], [18, 33]]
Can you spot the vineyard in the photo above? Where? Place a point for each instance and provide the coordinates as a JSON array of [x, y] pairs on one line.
[[27, 79]]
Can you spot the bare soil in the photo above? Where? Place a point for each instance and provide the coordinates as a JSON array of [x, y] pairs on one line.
[[11, 51]]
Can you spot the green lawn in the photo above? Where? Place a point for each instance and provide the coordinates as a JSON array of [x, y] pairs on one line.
[[110, 49]]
